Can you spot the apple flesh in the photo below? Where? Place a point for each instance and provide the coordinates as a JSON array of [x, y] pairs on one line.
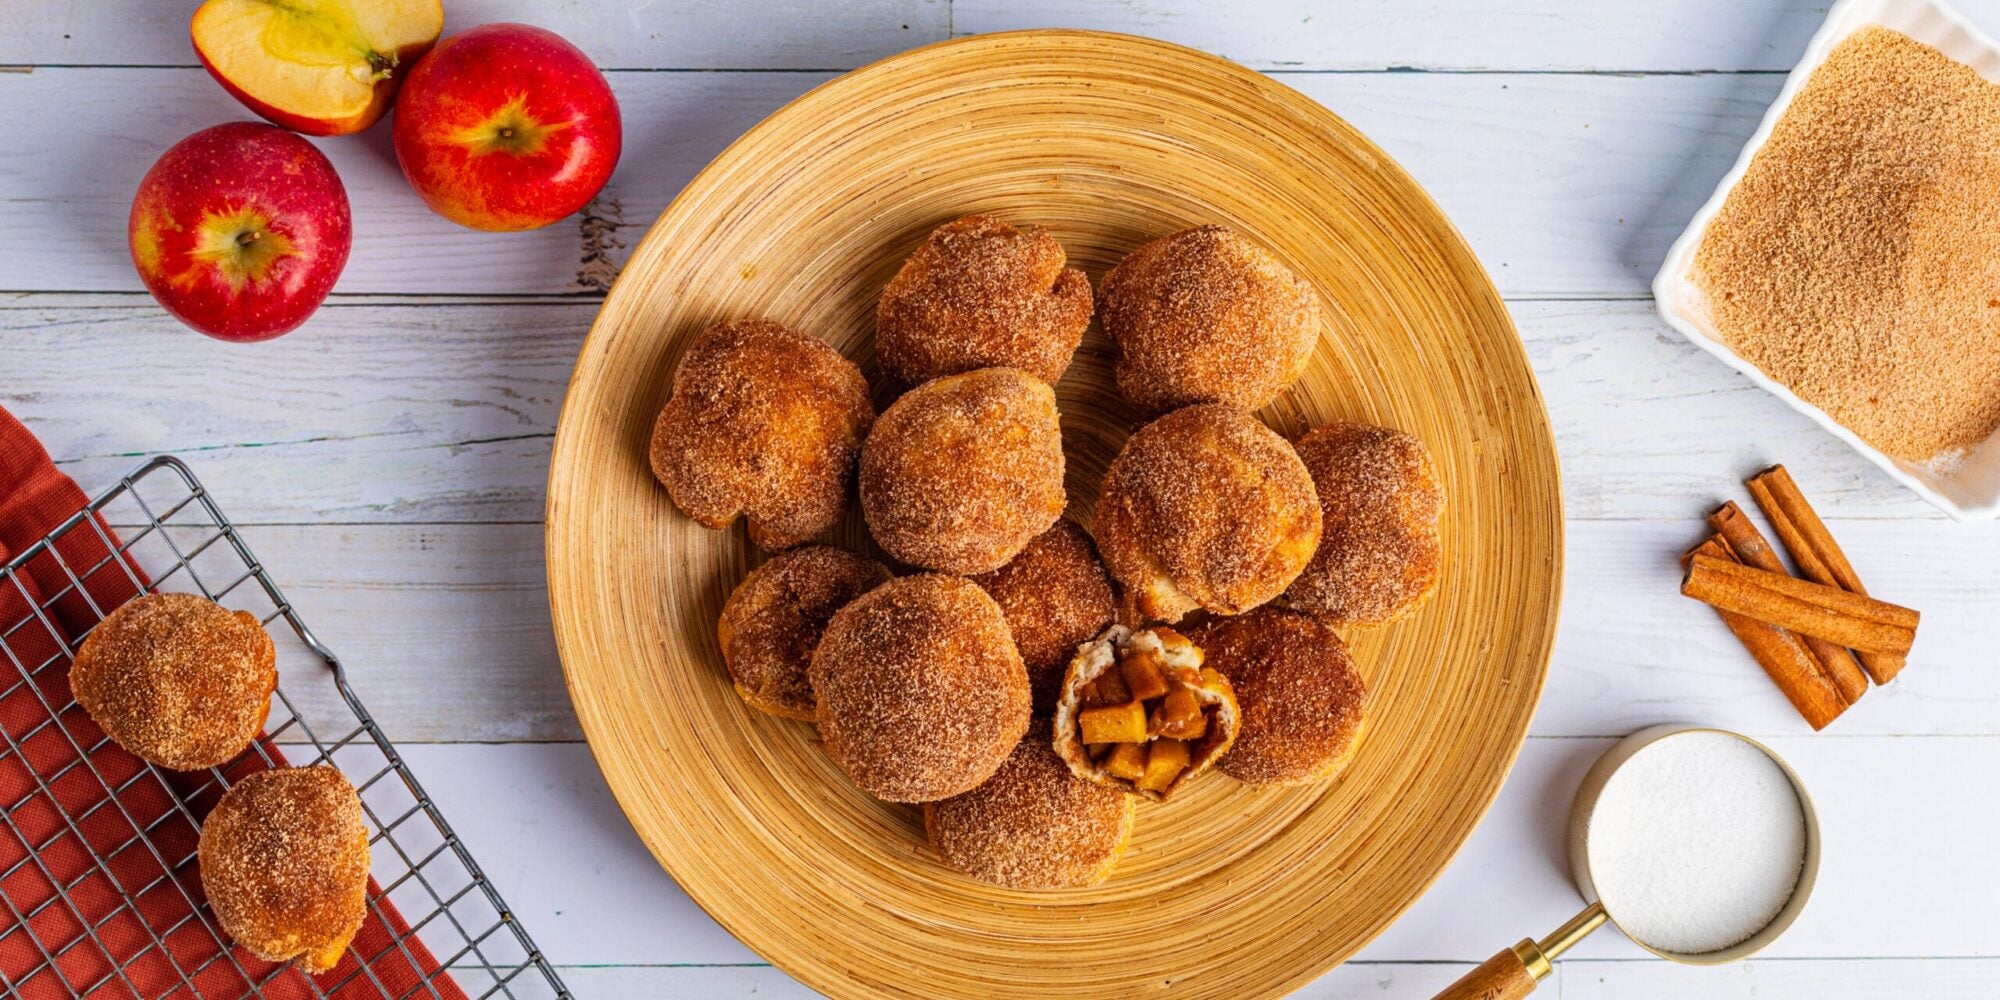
[[506, 127], [322, 67], [240, 230]]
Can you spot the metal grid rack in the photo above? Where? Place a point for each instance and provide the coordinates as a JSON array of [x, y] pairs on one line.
[[170, 535]]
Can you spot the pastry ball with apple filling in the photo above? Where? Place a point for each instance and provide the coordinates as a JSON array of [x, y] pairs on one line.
[[1300, 695], [1138, 711], [1380, 555], [284, 861], [774, 618], [177, 679], [980, 293], [1206, 508], [764, 422], [920, 693], [963, 471], [1033, 825], [1056, 596], [1205, 316]]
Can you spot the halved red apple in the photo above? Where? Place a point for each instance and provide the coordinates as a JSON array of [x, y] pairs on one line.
[[322, 67]]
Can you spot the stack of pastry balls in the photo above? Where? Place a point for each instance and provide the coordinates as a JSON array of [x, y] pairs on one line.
[[1024, 679], [185, 684]]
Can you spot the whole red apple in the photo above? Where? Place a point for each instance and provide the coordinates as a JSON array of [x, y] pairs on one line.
[[506, 127], [240, 230]]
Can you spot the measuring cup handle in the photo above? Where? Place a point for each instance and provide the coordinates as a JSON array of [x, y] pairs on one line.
[[1503, 977]]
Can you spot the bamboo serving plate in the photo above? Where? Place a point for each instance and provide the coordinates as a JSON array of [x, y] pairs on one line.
[[1227, 891]]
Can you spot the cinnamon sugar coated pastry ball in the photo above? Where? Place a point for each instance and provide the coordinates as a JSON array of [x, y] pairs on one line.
[[764, 422], [1206, 508], [920, 692], [964, 471], [177, 679], [774, 618], [1299, 692], [284, 861], [1205, 316], [1380, 556], [1033, 825], [1056, 596], [980, 293]]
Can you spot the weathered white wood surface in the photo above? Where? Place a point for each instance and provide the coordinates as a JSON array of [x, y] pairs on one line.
[[388, 459], [1894, 882], [1567, 185], [399, 412]]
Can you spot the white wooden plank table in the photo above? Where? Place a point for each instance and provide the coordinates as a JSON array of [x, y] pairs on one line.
[[388, 459]]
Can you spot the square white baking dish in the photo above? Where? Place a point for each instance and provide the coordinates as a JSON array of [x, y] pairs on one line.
[[1968, 488]]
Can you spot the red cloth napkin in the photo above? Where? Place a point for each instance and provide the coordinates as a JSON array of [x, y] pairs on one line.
[[129, 927]]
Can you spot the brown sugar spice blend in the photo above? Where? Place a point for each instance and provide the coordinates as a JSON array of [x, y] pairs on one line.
[[1858, 260]]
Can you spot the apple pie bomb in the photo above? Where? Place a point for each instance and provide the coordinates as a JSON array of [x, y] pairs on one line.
[[1139, 712], [980, 293], [766, 423]]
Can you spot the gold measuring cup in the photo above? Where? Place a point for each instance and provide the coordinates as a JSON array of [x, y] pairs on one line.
[[1516, 971]]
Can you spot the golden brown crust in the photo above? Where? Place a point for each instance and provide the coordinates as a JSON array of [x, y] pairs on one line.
[[177, 679], [1184, 665], [1056, 596], [764, 422], [980, 293], [774, 618], [1380, 554], [284, 861], [964, 471], [1206, 507], [920, 692], [1205, 316], [1033, 825], [1301, 697]]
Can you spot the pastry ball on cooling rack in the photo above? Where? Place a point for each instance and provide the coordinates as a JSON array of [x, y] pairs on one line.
[[1056, 596], [1300, 695], [1205, 316], [1206, 508], [980, 293], [920, 692], [764, 422], [284, 861], [1033, 825], [963, 471], [1380, 554], [774, 618], [177, 679]]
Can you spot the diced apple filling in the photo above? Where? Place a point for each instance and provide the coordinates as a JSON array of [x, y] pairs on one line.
[[1138, 721]]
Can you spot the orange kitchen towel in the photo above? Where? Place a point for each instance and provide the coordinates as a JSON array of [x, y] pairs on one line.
[[99, 890]]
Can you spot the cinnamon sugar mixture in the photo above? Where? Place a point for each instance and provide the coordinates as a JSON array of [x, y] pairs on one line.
[[1858, 260]]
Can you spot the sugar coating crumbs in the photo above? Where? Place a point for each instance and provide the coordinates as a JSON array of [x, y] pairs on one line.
[[1858, 260]]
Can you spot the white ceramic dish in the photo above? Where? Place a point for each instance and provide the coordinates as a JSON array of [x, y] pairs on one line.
[[1967, 488]]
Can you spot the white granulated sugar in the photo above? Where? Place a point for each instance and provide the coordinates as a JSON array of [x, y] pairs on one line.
[[1696, 843]]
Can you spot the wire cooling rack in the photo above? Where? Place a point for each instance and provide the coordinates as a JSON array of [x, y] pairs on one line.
[[170, 535]]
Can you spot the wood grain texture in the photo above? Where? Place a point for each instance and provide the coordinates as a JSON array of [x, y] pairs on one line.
[[1456, 35], [445, 630], [617, 34], [1501, 977], [545, 827], [443, 412], [1109, 141], [1824, 979], [1565, 185]]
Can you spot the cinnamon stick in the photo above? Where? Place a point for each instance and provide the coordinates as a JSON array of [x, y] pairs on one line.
[[1813, 549], [1833, 614], [1784, 658], [1751, 549]]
